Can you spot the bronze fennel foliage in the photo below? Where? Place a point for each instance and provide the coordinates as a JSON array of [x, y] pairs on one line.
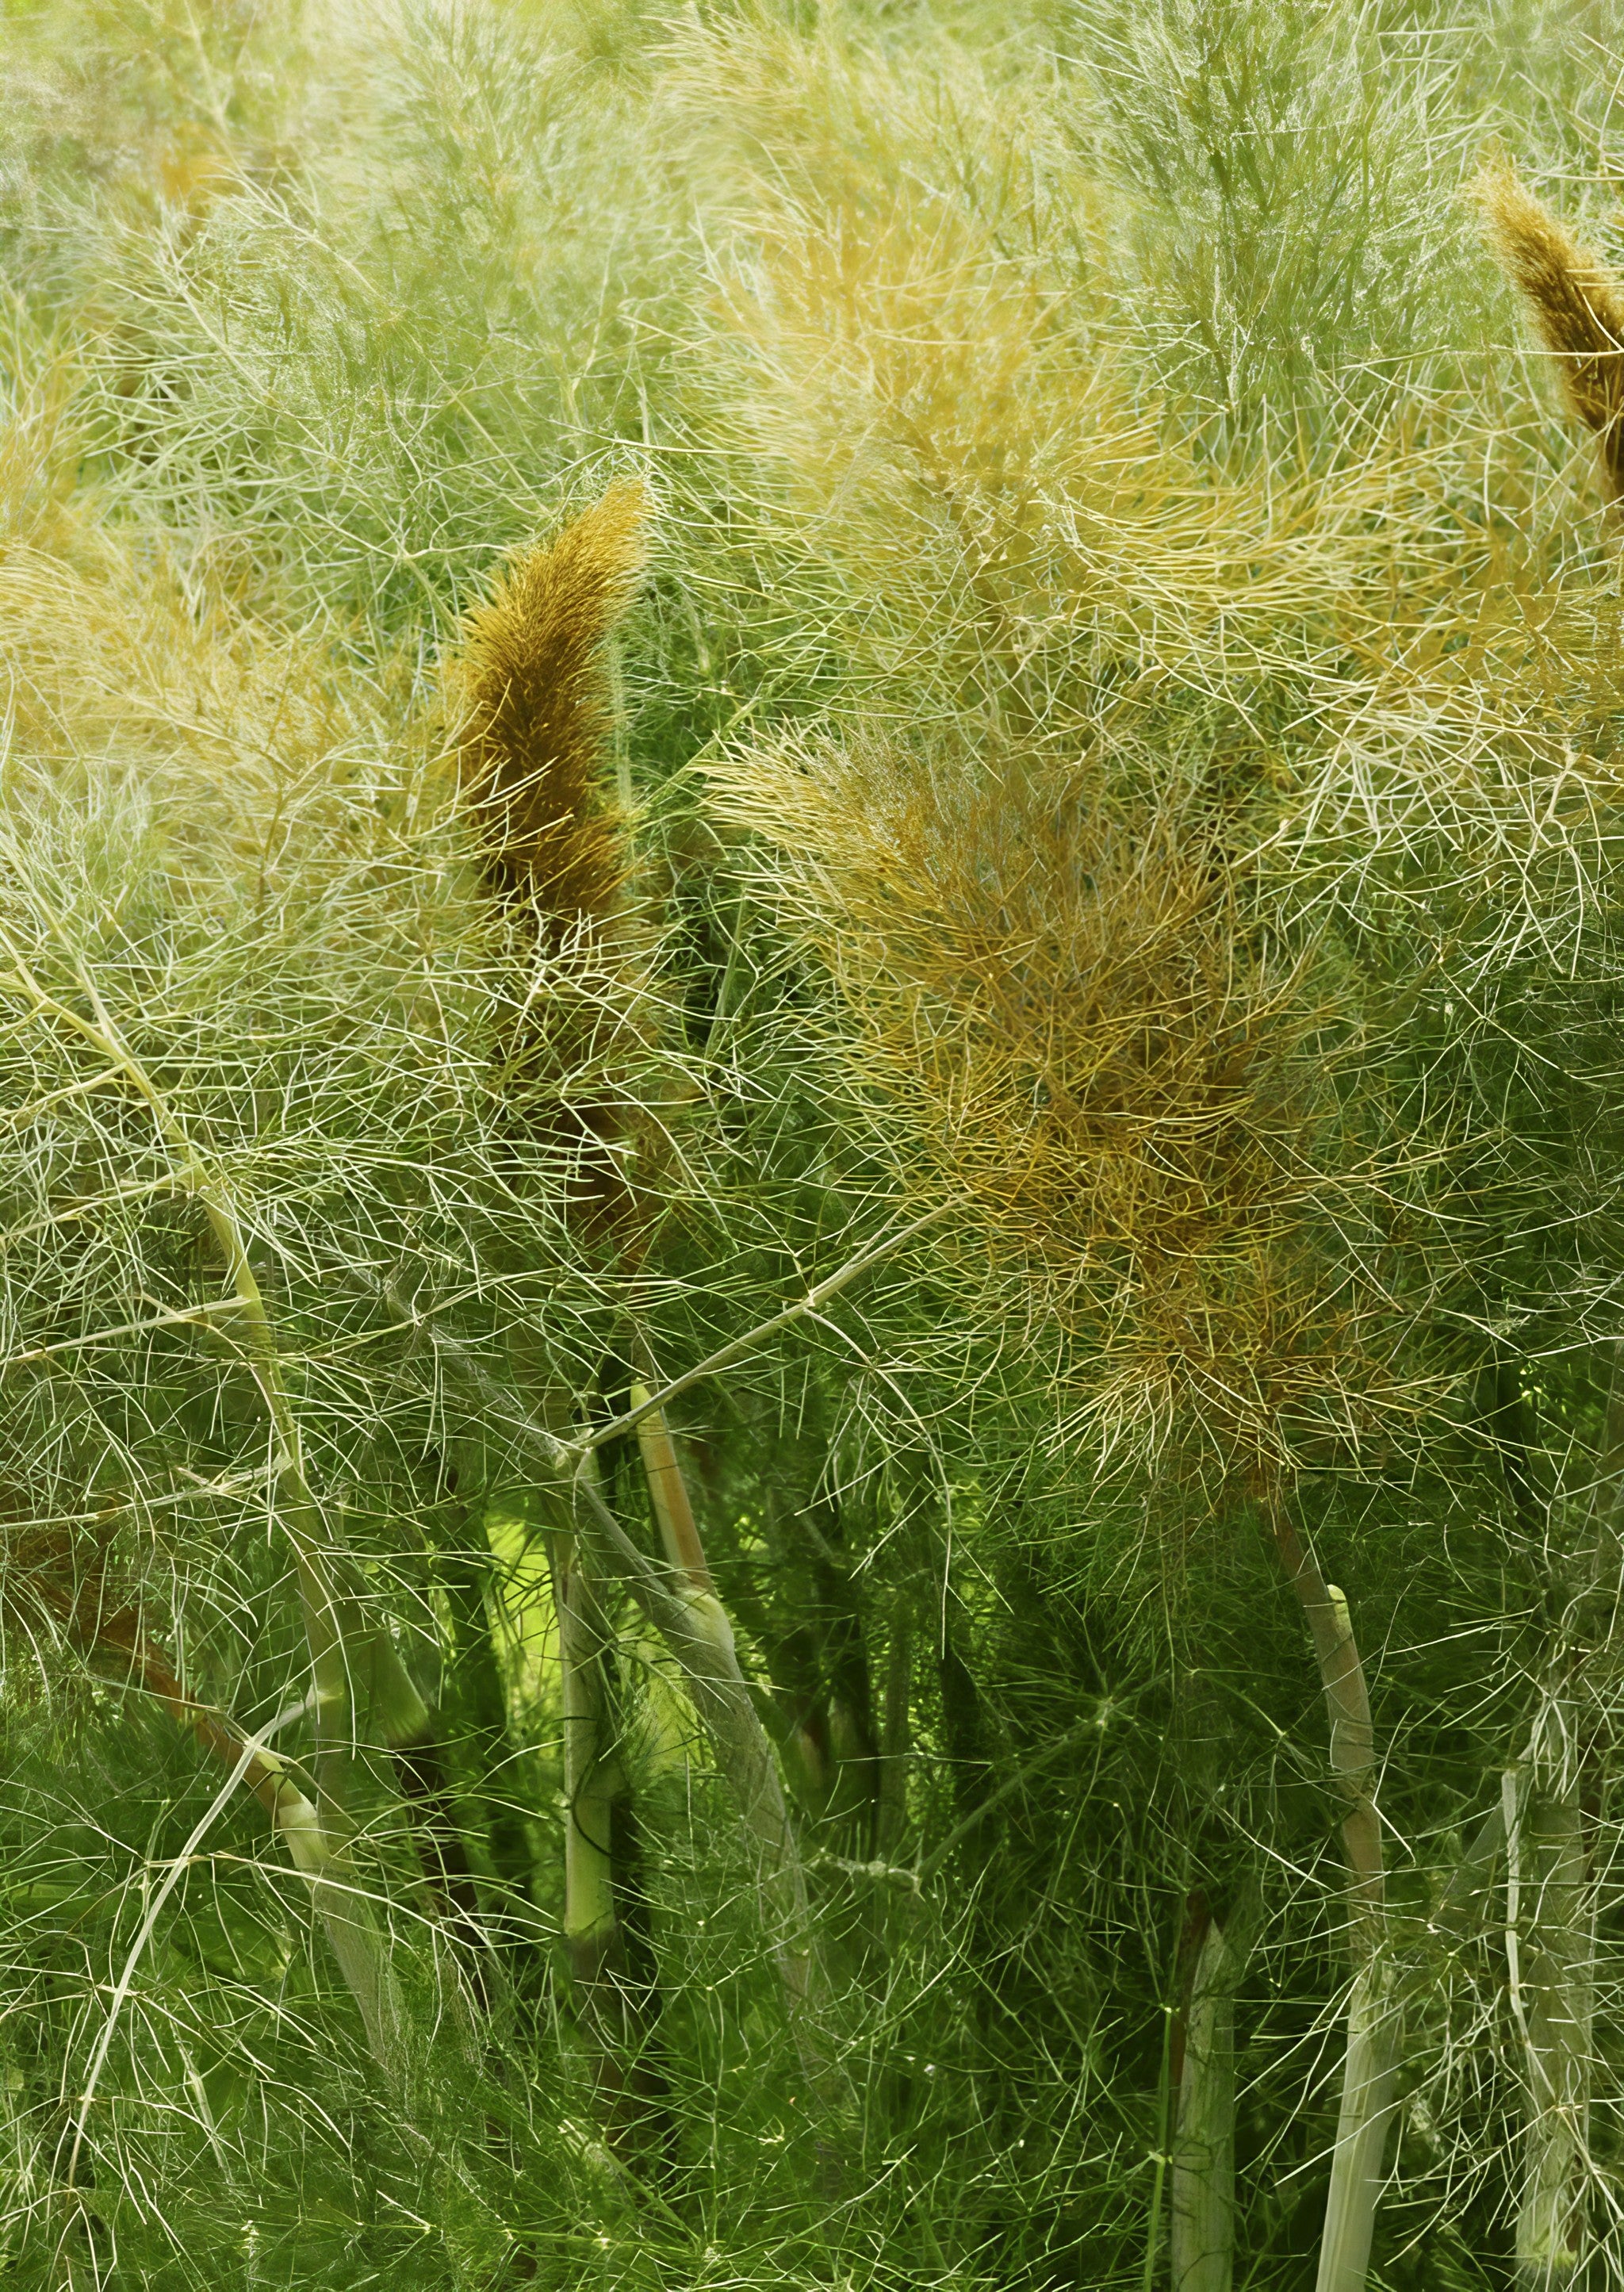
[[1070, 1003]]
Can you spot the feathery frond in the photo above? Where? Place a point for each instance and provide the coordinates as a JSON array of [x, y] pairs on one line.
[[537, 707], [1142, 631], [1071, 1009], [1577, 304]]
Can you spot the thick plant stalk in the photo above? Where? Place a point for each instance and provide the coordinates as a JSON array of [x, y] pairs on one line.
[[695, 1633], [1550, 1909], [1204, 2135], [692, 1622], [612, 2020], [679, 1533], [705, 1617], [1369, 2058], [678, 1530], [1363, 2124], [1549, 1900], [480, 1700], [695, 1628], [593, 1781]]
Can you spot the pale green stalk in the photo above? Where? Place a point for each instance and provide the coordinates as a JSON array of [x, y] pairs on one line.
[[313, 1855], [703, 1650], [796, 1949], [1548, 1898], [679, 1532], [315, 1852], [694, 1625], [1204, 2133], [593, 1781], [695, 1628], [1363, 2120], [1550, 1907], [1369, 2057]]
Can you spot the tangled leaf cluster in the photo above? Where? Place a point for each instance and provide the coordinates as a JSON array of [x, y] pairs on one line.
[[1079, 1023]]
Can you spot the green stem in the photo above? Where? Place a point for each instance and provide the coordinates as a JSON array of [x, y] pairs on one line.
[[1204, 2140], [1164, 2083], [618, 2013], [592, 1782], [1018, 1780], [476, 1700], [679, 1533], [1369, 2058], [1551, 1907], [1551, 1990], [815, 1299], [696, 1631]]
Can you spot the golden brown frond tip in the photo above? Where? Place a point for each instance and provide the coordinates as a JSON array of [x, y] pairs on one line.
[[1061, 1006], [1577, 304], [536, 711]]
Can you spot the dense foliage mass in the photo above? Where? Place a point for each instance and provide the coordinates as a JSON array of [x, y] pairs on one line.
[[811, 1145]]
